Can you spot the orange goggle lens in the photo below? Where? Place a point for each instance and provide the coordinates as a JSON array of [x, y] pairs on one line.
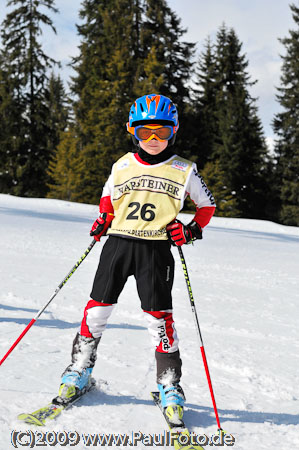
[[164, 133]]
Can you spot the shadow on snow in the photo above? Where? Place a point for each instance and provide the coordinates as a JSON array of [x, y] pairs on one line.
[[197, 415], [64, 217], [253, 234], [61, 324]]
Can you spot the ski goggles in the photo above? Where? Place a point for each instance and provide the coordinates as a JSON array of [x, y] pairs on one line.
[[149, 132]]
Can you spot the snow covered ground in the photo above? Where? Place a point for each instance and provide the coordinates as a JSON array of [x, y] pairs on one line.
[[244, 276]]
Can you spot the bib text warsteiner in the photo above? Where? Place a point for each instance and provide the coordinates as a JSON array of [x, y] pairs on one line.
[[146, 198]]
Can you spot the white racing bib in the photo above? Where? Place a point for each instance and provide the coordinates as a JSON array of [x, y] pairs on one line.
[[146, 198]]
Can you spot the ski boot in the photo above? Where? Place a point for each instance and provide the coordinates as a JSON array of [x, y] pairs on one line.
[[73, 385], [76, 379], [172, 399]]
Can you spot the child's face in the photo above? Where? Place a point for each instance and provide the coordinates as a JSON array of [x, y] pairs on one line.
[[153, 147]]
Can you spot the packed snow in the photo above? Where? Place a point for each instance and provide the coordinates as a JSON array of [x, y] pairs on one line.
[[244, 277]]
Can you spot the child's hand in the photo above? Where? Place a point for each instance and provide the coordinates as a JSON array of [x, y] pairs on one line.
[[180, 234], [100, 225]]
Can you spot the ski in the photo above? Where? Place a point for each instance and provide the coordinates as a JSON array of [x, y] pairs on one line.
[[180, 434], [43, 415]]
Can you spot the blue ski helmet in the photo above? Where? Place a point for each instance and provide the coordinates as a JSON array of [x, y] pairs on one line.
[[153, 109]]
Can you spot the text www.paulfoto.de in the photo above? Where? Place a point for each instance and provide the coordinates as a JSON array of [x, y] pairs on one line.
[[33, 438]]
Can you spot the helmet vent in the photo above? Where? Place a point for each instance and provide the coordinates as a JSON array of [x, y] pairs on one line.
[[153, 107]]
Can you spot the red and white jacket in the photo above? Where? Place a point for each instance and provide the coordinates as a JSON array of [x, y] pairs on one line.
[[195, 188]]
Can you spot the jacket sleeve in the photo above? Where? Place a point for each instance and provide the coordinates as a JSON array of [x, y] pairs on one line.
[[105, 202], [202, 198]]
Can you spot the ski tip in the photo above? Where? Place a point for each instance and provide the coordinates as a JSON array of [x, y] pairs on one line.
[[30, 419]]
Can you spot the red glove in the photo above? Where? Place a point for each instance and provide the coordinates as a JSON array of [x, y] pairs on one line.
[[100, 225], [180, 234]]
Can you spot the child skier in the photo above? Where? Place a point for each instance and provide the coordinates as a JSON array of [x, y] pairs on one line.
[[138, 209]]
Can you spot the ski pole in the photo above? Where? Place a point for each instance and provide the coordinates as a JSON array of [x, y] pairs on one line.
[[183, 261], [68, 276]]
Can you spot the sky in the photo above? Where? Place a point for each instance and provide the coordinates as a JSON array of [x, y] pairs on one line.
[[258, 24]]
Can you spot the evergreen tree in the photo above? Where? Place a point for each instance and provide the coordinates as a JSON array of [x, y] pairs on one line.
[[128, 48], [65, 169], [25, 66], [225, 200], [57, 104], [286, 126], [205, 121], [228, 116], [10, 130], [103, 89], [161, 43], [167, 62]]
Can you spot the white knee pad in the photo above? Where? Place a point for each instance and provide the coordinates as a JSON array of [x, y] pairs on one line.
[[162, 330], [96, 319]]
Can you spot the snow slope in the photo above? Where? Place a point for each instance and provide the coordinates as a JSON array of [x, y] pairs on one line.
[[244, 276]]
